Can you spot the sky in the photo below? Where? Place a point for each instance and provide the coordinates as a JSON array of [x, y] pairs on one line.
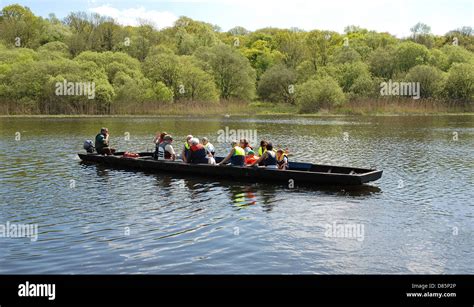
[[395, 17]]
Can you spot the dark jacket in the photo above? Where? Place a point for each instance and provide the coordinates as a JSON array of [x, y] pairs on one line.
[[197, 154]]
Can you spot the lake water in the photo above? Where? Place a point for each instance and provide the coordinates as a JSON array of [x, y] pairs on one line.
[[418, 218]]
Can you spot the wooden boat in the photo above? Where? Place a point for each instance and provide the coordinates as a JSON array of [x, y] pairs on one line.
[[298, 172]]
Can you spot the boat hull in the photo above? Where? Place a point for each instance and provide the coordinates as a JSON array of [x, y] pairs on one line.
[[299, 173]]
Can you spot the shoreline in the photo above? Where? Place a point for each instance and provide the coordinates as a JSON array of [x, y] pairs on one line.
[[233, 115], [359, 108]]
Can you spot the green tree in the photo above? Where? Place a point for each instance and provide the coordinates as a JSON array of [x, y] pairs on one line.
[[238, 31], [320, 45], [382, 62], [137, 41], [463, 36], [291, 45], [346, 55], [19, 27], [53, 50], [439, 60], [53, 30], [319, 93], [261, 56], [460, 82], [234, 76], [421, 34], [164, 67], [163, 93], [196, 84], [81, 29], [430, 79], [457, 54], [409, 54], [191, 34], [355, 78], [349, 72], [277, 84]]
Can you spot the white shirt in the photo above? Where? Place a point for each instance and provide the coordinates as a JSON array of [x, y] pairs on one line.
[[209, 147]]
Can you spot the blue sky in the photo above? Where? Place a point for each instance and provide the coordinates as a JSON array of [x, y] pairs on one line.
[[395, 17]]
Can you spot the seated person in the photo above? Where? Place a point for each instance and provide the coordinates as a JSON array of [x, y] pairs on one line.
[[197, 154], [158, 139], [262, 148], [165, 149], [102, 143], [250, 158], [209, 147], [268, 159], [282, 159], [245, 145], [236, 156], [187, 145]]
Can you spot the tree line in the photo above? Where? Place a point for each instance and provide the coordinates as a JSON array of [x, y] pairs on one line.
[[193, 61]]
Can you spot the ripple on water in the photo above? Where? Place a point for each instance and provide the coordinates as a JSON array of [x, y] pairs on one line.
[[95, 219]]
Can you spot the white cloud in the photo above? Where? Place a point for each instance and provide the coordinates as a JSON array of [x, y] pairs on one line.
[[133, 16]]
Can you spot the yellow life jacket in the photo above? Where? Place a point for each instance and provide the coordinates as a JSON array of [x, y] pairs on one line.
[[239, 151], [186, 145], [282, 157]]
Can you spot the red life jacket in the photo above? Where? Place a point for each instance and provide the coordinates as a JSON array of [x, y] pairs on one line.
[[198, 154], [128, 154], [250, 159], [197, 147]]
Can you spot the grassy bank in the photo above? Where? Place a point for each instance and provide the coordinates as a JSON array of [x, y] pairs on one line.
[[360, 107]]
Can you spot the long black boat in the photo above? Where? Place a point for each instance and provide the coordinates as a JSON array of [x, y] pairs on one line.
[[298, 172]]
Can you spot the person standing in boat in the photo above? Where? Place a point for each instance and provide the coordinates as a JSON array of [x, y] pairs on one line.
[[268, 159], [209, 147], [197, 154], [102, 143], [236, 156], [186, 147], [165, 149], [282, 159]]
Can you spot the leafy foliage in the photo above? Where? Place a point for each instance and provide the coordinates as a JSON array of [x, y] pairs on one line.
[[319, 93], [196, 61]]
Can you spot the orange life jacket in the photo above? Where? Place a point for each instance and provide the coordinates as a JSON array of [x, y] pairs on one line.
[[250, 159], [128, 154]]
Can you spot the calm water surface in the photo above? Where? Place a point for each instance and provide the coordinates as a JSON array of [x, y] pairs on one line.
[[419, 218]]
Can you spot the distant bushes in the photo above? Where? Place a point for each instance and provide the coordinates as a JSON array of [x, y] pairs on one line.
[[195, 61], [319, 93], [431, 80], [277, 84], [459, 84]]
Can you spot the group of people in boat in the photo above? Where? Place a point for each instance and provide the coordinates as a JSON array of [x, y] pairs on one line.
[[201, 151]]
